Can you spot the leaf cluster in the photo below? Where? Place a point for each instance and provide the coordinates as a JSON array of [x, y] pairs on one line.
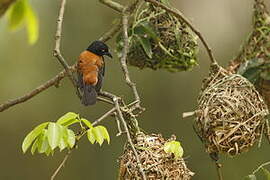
[[48, 136]]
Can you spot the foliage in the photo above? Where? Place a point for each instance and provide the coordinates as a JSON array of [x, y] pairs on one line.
[[175, 148], [21, 13], [46, 137], [255, 69]]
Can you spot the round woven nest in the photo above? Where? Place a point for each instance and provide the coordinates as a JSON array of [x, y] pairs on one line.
[[231, 113], [159, 40], [156, 163]]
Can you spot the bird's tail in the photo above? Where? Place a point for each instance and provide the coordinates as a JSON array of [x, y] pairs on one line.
[[89, 95]]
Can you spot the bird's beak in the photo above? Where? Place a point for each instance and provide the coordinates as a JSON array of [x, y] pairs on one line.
[[108, 54]]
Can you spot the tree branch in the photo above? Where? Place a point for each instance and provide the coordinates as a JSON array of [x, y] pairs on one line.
[[120, 115], [61, 165], [52, 82], [57, 52], [124, 57], [114, 5], [179, 15], [109, 34], [261, 166]]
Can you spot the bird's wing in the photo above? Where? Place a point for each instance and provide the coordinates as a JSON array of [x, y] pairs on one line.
[[101, 74]]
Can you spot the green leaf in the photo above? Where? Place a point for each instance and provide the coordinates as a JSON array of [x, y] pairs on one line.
[[71, 138], [250, 177], [145, 30], [87, 123], [64, 138], [253, 63], [34, 146], [31, 24], [16, 14], [98, 135], [175, 148], [54, 134], [104, 133], [90, 136], [49, 151], [32, 136], [266, 173], [252, 74], [68, 119], [43, 144], [62, 144], [146, 46]]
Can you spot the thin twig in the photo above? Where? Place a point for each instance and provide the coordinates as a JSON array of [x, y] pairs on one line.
[[61, 165], [219, 172], [108, 35], [108, 113], [179, 15], [57, 52], [124, 57], [114, 5], [52, 82], [120, 115], [261, 166], [120, 131], [188, 114]]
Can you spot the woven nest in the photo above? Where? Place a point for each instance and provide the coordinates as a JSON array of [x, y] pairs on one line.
[[156, 163], [158, 40], [256, 49], [230, 116]]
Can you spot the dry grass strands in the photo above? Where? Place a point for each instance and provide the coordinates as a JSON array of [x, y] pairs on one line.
[[231, 113], [159, 40], [157, 164]]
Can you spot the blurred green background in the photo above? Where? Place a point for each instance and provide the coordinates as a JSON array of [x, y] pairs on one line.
[[224, 23]]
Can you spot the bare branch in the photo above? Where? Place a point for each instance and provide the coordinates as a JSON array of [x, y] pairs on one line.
[[124, 57], [219, 172], [261, 166], [179, 15], [57, 52], [61, 165], [120, 115], [108, 35], [52, 82], [114, 5]]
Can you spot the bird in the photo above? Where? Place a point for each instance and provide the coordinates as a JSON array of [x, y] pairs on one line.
[[91, 71]]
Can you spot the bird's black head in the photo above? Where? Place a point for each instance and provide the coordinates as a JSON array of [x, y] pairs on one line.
[[99, 48]]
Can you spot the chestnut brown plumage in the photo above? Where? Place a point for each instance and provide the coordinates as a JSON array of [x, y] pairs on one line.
[[91, 69]]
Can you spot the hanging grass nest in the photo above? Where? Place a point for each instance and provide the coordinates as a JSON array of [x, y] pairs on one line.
[[253, 60], [156, 163], [231, 113], [159, 40]]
